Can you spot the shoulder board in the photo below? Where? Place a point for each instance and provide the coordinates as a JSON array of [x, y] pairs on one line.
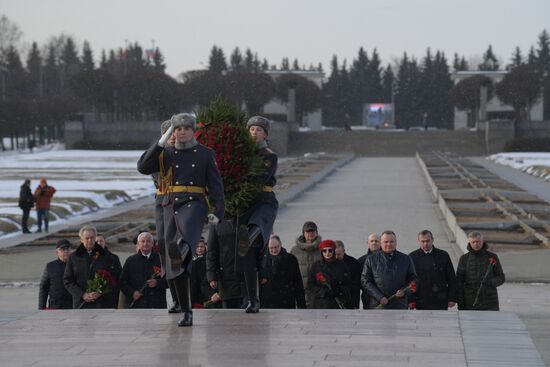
[[269, 151]]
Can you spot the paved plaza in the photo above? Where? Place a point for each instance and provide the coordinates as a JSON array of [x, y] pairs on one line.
[[367, 195]]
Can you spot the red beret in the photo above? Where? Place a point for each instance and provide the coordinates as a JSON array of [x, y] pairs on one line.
[[327, 243]]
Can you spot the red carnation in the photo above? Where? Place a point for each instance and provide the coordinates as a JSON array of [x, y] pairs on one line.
[[320, 277], [492, 261]]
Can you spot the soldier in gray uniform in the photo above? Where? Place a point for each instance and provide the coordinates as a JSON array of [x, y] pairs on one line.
[[161, 185], [256, 223], [193, 175]]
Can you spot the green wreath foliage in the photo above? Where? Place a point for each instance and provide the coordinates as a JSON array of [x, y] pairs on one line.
[[222, 128]]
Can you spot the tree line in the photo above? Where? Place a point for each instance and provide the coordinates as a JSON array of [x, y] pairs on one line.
[[59, 80]]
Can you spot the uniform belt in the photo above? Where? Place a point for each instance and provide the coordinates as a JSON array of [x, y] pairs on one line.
[[160, 193], [267, 189], [193, 189]]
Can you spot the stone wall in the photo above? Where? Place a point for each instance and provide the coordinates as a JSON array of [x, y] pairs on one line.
[[388, 143]]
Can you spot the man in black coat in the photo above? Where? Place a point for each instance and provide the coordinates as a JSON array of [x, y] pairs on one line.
[[281, 286], [355, 270], [52, 294], [26, 202], [387, 273], [141, 280], [437, 286], [373, 246], [88, 260]]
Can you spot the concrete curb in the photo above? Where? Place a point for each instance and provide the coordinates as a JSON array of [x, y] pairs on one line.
[[519, 266], [298, 189]]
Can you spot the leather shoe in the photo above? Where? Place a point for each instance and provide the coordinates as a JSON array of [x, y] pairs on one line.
[[175, 309], [187, 319]]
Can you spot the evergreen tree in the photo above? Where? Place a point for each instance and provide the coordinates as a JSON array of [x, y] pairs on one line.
[[216, 62], [34, 67], [374, 79], [460, 64], [490, 61], [465, 95], [295, 65], [158, 61], [359, 84], [532, 56], [408, 110], [15, 80], [285, 65], [388, 80], [332, 96], [50, 74], [516, 59], [249, 60], [87, 57], [265, 65], [236, 59], [543, 52]]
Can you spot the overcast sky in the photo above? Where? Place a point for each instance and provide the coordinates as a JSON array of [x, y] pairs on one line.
[[311, 31]]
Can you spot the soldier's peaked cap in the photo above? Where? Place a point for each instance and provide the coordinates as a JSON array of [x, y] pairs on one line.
[[258, 121], [184, 120]]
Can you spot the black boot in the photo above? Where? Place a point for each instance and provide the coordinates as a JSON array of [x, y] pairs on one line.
[[183, 291], [176, 306], [247, 237], [251, 281]]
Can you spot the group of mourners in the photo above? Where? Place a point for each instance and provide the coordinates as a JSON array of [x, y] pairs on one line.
[[242, 264]]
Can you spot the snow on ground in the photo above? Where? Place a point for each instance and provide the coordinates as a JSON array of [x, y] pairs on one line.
[[536, 164], [85, 181]]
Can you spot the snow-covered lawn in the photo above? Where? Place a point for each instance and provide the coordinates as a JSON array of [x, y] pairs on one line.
[[536, 164], [85, 180]]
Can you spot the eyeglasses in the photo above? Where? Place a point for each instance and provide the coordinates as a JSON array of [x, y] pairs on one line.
[[329, 250]]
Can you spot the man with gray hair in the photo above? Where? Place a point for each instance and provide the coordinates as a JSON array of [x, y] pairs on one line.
[[479, 273], [141, 279], [83, 264], [193, 175]]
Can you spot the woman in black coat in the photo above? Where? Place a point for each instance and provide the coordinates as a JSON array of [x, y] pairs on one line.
[[329, 281]]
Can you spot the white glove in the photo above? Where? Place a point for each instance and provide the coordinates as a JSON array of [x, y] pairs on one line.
[[164, 138], [212, 219]]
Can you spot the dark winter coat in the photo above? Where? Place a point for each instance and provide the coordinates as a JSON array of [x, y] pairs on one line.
[[115, 269], [201, 291], [26, 198], [185, 212], [436, 280], [383, 275], [263, 211], [221, 260], [80, 268], [52, 294], [355, 274], [364, 293], [136, 271], [306, 254], [471, 270], [338, 278], [284, 288]]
